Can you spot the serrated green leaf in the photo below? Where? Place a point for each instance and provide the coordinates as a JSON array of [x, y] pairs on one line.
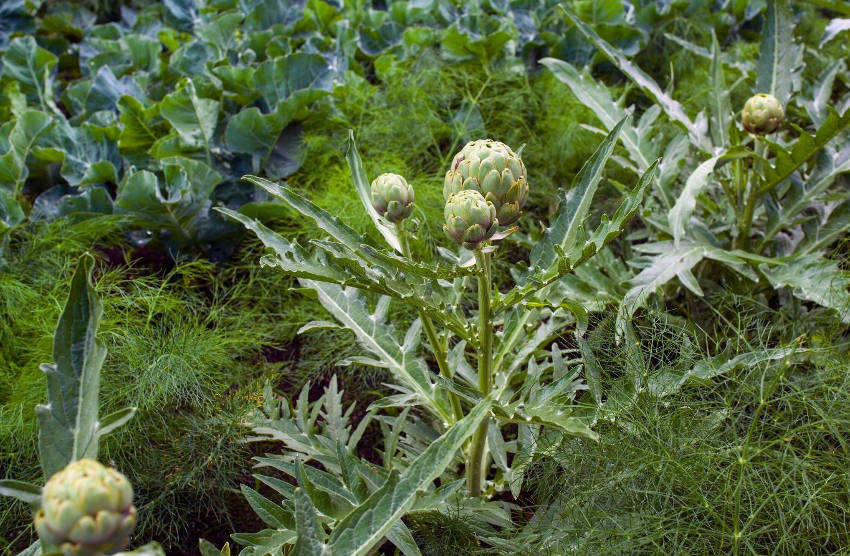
[[587, 246], [272, 514], [365, 526], [778, 58], [574, 204], [672, 261], [803, 149], [597, 97], [310, 535], [361, 184]]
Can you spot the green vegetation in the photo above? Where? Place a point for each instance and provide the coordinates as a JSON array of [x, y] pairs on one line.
[[650, 358]]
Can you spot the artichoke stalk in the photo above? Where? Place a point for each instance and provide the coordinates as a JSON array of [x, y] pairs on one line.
[[470, 219], [495, 171], [392, 197], [86, 510], [762, 114]]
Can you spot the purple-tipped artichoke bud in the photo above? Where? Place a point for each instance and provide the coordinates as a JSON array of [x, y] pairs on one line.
[[762, 114], [470, 218], [86, 510], [495, 171], [392, 197]]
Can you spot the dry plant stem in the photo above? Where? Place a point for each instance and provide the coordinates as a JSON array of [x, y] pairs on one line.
[[431, 332], [478, 450]]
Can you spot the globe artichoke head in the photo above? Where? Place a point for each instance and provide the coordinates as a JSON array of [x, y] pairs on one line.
[[470, 218], [495, 171], [392, 197], [762, 114], [86, 510]]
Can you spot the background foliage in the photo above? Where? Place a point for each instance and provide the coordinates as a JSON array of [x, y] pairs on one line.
[[123, 125]]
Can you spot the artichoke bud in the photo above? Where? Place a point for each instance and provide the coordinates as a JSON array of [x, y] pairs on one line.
[[495, 171], [470, 218], [86, 510], [762, 114], [392, 197]]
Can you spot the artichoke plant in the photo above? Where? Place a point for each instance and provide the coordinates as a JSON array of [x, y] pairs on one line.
[[86, 510], [494, 170], [392, 197], [762, 114], [470, 218]]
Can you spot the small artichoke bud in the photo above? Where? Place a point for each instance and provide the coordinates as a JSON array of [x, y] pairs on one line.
[[762, 114], [470, 218], [495, 171], [392, 197], [86, 510]]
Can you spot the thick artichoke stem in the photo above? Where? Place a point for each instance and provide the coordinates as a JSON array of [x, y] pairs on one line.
[[476, 460], [746, 221], [431, 332]]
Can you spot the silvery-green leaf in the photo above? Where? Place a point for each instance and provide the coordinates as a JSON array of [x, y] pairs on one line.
[[680, 215], [813, 278], [696, 130], [365, 526], [68, 423]]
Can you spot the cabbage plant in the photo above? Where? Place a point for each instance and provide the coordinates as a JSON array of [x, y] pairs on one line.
[[501, 384]]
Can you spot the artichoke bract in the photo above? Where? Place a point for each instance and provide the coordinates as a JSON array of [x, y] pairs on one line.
[[495, 171], [762, 114], [86, 510], [470, 218], [392, 197]]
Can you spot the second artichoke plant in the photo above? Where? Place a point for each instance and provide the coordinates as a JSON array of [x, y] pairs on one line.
[[86, 510]]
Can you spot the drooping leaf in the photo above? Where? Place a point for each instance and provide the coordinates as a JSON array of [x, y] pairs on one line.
[[670, 382], [597, 97], [673, 260], [696, 130], [179, 202], [813, 278]]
